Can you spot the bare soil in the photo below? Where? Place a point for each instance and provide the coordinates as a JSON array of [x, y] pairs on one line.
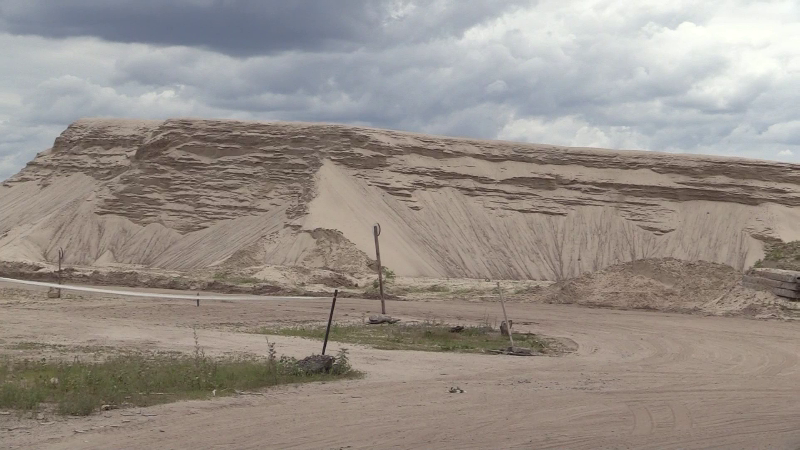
[[670, 285], [635, 380]]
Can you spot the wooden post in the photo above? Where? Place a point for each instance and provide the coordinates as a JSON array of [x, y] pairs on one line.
[[505, 316], [330, 319], [60, 259], [198, 299], [376, 230]]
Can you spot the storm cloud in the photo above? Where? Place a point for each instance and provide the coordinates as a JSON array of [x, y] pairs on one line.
[[719, 78]]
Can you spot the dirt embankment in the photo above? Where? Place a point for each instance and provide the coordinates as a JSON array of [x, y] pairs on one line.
[[190, 195], [130, 278], [670, 285]]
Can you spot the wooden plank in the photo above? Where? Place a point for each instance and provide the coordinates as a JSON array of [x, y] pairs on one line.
[[772, 283], [786, 293], [788, 276], [756, 286]]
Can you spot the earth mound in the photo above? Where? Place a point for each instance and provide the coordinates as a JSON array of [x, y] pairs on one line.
[[187, 194], [670, 285]]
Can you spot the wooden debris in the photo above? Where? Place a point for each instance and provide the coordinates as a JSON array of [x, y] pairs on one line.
[[381, 318], [783, 283], [789, 276], [514, 351]]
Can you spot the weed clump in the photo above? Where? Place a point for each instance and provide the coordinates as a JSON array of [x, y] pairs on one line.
[[426, 336], [143, 379]]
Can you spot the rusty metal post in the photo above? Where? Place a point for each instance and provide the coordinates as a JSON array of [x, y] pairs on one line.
[[60, 260], [505, 316], [376, 230], [330, 319]]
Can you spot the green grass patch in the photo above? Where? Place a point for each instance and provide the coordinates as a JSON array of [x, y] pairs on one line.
[[144, 379], [432, 337], [781, 255]]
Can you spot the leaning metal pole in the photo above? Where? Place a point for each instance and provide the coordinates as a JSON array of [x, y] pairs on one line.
[[376, 230]]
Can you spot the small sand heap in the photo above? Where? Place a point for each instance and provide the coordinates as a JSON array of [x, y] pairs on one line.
[[671, 285]]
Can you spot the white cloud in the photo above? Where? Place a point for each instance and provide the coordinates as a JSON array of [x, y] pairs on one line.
[[719, 77]]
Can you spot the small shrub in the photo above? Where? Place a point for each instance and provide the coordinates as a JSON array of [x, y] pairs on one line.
[[388, 278], [342, 364]]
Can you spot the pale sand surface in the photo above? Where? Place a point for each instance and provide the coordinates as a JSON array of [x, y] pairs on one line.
[[636, 380]]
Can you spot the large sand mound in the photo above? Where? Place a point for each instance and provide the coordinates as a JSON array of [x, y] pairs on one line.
[[189, 194], [669, 284]]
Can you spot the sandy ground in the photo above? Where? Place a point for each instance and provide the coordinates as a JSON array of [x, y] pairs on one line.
[[637, 380]]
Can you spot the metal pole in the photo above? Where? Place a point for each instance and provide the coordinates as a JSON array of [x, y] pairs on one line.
[[376, 230], [198, 299], [330, 319], [60, 259], [508, 325]]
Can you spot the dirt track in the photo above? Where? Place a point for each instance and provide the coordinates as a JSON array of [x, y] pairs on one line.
[[637, 380]]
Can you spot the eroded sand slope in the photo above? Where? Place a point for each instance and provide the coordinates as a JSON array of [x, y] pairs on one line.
[[184, 194]]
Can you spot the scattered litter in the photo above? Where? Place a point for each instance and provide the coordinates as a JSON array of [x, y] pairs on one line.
[[514, 351], [149, 415], [4, 413], [79, 431], [380, 318], [456, 390], [248, 393]]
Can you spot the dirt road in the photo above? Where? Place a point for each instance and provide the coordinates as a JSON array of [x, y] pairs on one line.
[[637, 380]]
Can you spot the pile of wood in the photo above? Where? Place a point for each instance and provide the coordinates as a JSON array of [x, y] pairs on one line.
[[784, 283]]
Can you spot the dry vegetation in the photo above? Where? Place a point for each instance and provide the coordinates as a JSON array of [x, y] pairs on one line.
[[425, 336], [124, 379], [781, 255]]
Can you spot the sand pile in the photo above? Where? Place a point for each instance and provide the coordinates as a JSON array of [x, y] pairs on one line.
[[187, 194], [669, 284]]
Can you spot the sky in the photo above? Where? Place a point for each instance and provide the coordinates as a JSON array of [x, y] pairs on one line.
[[710, 77]]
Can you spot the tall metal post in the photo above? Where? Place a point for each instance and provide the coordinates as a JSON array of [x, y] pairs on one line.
[[376, 230], [330, 319], [60, 260]]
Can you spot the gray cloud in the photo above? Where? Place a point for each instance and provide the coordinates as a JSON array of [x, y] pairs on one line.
[[250, 27], [721, 78]]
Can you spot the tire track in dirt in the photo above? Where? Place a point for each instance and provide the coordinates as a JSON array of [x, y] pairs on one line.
[[637, 380]]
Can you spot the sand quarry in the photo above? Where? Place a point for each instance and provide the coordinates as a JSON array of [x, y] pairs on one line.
[[636, 380], [632, 261]]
